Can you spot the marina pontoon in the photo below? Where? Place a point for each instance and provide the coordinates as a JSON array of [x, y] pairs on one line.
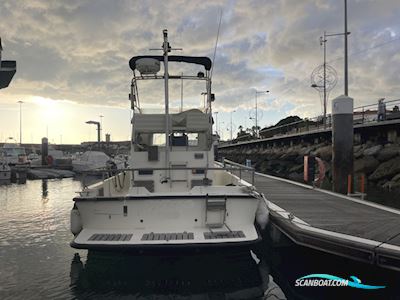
[[175, 195]]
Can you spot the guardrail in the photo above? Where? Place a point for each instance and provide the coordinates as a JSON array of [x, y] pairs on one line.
[[234, 167], [240, 167], [362, 115]]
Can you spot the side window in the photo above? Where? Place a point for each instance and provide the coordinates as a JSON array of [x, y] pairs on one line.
[[159, 139], [193, 139]]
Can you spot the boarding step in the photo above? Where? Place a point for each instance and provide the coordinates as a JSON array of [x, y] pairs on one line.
[[223, 235], [215, 212], [110, 237], [167, 236]]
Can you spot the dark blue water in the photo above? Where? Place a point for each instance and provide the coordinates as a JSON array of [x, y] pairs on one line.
[[36, 261]]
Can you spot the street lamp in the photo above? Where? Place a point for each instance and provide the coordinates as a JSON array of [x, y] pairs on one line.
[[20, 121], [101, 127], [204, 98], [256, 116], [231, 122], [322, 41], [216, 122], [98, 128]]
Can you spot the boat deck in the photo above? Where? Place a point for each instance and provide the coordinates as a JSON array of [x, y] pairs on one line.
[[332, 222]]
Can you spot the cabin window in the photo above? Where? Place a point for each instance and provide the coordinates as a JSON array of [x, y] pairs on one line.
[[193, 139], [179, 139], [159, 139]]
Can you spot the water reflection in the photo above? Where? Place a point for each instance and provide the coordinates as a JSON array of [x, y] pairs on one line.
[[5, 181], [86, 179], [190, 276], [45, 191]]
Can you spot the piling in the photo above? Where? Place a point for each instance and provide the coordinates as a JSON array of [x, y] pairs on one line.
[[342, 143], [45, 150]]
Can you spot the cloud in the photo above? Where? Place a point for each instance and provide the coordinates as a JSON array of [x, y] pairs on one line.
[[79, 50]]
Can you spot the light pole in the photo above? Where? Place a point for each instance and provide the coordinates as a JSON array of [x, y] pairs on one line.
[[223, 131], [346, 78], [20, 121], [216, 122], [101, 127], [256, 116], [204, 99], [98, 129], [322, 41], [231, 122]]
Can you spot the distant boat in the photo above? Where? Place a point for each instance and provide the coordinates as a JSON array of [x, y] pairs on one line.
[[13, 154], [95, 160], [55, 158], [5, 171]]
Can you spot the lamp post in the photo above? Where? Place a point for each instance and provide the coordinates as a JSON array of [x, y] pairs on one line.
[[20, 121], [204, 99], [322, 41], [222, 131], [231, 122], [256, 116], [98, 129], [346, 66], [316, 86], [101, 127], [216, 122]]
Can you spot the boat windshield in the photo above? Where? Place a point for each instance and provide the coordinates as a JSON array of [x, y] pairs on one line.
[[14, 151]]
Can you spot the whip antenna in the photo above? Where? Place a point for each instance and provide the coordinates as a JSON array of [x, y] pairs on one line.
[[216, 44]]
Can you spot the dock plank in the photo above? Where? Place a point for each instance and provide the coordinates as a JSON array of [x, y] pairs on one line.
[[330, 212]]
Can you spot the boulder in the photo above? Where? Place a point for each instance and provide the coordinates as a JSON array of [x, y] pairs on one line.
[[372, 150], [264, 167], [358, 151], [386, 169], [396, 178], [296, 168], [366, 165], [357, 148], [388, 152], [391, 185], [290, 155], [325, 153]]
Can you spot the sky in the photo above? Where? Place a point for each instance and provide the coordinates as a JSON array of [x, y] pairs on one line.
[[72, 59]]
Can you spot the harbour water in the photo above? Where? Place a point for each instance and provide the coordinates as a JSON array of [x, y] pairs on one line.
[[38, 263]]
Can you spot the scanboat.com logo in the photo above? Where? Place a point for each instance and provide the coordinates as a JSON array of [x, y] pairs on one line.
[[330, 280]]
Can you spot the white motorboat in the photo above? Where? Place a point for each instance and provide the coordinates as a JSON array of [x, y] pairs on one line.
[[95, 160], [14, 154], [5, 171], [176, 195]]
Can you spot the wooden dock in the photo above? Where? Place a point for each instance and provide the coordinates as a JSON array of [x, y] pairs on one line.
[[332, 222]]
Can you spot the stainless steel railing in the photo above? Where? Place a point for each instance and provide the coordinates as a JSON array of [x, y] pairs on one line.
[[227, 165]]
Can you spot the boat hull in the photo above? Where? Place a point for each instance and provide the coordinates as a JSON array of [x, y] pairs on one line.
[[163, 248], [174, 222], [5, 175]]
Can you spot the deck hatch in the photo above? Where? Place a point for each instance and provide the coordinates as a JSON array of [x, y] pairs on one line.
[[110, 237], [152, 236], [223, 235]]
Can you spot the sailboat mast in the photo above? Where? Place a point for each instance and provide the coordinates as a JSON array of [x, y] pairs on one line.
[[166, 49]]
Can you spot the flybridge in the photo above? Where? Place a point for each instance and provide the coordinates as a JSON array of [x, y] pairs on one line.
[[204, 61], [7, 70]]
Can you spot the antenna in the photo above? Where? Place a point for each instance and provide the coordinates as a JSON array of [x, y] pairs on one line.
[[216, 44], [166, 48], [1, 49]]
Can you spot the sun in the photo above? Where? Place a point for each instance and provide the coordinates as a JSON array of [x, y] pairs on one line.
[[49, 109]]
